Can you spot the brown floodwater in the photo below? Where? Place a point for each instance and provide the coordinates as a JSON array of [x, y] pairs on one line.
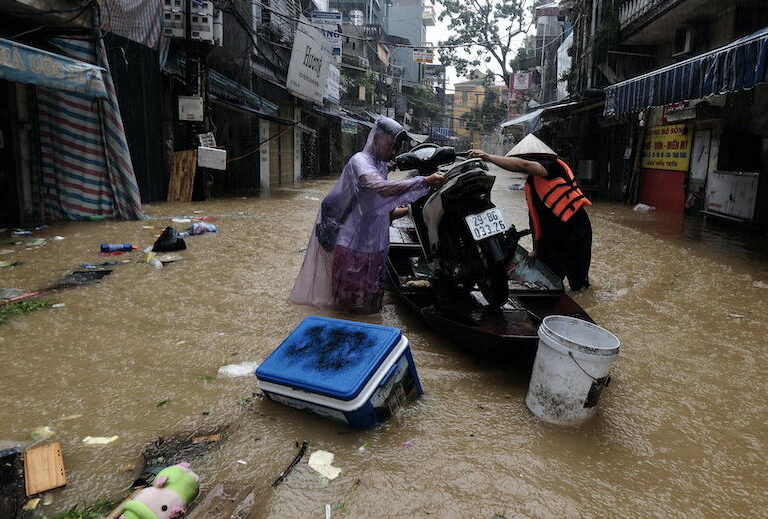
[[680, 432]]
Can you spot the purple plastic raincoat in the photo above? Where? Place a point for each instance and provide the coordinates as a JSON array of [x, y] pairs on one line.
[[346, 258]]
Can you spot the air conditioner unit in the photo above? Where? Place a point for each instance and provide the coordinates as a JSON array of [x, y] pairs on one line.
[[683, 41]]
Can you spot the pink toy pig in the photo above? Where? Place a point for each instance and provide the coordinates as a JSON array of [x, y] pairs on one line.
[[174, 488]]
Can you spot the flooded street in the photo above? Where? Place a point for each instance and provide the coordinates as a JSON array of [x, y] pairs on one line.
[[680, 432]]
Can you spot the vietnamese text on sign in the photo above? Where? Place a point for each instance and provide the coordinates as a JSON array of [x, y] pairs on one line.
[[667, 147], [308, 68], [423, 54]]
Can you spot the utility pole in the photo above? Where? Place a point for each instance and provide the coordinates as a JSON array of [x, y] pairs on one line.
[[188, 73]]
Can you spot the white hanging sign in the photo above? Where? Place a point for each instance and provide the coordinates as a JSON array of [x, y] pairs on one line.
[[308, 69], [332, 87]]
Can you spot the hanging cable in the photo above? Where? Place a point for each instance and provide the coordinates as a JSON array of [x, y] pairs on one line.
[[260, 144]]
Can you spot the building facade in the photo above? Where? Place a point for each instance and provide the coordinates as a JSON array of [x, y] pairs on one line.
[[661, 102]]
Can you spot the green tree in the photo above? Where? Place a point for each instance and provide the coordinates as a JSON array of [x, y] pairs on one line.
[[350, 86], [425, 105], [488, 115], [482, 33]]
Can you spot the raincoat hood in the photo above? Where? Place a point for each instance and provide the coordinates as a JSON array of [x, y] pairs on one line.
[[382, 137], [531, 145]]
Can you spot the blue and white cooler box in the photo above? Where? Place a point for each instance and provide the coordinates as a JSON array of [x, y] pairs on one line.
[[355, 373]]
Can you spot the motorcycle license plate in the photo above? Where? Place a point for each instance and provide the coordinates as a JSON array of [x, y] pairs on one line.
[[485, 224]]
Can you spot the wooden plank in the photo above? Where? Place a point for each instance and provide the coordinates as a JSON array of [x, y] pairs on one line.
[[181, 182], [44, 468]]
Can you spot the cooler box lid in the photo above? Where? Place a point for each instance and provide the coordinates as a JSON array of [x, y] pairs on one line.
[[330, 357]]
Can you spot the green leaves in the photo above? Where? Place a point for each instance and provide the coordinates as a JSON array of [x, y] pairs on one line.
[[486, 27], [21, 307], [93, 511]]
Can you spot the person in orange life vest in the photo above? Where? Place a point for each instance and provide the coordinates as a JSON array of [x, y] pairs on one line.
[[562, 233]]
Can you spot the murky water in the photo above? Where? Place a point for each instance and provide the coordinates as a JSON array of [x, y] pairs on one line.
[[681, 431]]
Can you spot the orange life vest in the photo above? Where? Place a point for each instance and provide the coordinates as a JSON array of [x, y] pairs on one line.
[[562, 197]]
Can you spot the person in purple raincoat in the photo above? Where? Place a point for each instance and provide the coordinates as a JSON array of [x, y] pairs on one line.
[[345, 263]]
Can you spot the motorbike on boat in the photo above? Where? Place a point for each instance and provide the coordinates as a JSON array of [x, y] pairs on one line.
[[457, 261], [463, 234]]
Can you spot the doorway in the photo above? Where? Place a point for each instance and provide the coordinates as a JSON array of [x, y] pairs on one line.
[[9, 191]]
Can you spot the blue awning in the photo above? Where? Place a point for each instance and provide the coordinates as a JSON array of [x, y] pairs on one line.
[[228, 89], [24, 64], [740, 65]]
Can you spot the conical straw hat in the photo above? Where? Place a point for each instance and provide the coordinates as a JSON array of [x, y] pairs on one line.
[[531, 145]]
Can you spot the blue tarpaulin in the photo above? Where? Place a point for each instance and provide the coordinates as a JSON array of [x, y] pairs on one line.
[[740, 65], [24, 64], [441, 133]]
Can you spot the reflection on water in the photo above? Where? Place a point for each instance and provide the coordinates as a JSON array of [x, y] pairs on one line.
[[680, 432], [712, 236]]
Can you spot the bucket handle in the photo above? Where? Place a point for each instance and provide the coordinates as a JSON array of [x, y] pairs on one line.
[[570, 354]]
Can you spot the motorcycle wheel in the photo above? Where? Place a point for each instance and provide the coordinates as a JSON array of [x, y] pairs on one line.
[[495, 287]]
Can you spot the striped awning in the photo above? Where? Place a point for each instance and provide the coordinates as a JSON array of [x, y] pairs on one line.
[[740, 65]]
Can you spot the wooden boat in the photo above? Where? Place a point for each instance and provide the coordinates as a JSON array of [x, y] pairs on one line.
[[511, 331]]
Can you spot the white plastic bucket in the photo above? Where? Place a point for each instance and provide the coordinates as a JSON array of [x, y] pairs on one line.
[[570, 370]]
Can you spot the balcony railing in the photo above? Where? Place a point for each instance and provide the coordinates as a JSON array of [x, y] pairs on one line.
[[631, 11], [428, 15]]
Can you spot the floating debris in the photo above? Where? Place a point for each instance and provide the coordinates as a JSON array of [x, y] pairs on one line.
[[295, 462], [207, 438], [10, 293], [42, 433], [31, 504], [99, 440], [243, 369], [321, 462]]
